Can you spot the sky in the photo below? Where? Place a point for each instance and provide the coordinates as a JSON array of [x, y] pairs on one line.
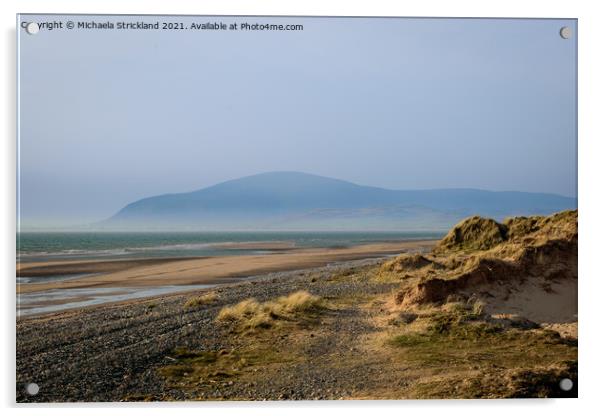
[[107, 117]]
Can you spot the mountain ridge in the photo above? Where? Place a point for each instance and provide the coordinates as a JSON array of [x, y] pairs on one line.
[[270, 200]]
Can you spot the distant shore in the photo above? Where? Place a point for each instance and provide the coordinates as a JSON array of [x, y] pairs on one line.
[[198, 271]]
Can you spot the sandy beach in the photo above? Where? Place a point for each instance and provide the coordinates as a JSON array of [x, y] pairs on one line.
[[199, 271]]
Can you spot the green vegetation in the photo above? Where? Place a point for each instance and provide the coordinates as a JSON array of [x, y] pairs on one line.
[[484, 358], [203, 369]]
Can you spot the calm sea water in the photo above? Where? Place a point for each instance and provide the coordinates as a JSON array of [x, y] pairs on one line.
[[89, 245]]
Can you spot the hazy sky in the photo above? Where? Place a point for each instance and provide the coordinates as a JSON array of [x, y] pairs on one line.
[[111, 116]]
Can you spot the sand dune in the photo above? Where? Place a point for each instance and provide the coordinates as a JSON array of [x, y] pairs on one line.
[[526, 266]]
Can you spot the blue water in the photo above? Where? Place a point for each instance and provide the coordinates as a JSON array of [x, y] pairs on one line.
[[91, 245]]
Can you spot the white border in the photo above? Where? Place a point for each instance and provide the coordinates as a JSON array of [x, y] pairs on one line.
[[590, 68]]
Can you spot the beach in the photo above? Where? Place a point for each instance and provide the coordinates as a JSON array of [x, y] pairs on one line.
[[113, 352], [98, 281], [404, 320]]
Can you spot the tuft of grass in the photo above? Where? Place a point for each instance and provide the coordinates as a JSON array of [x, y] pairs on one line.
[[251, 314], [301, 301], [202, 300]]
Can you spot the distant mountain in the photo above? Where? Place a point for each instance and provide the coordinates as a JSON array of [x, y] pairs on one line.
[[300, 201]]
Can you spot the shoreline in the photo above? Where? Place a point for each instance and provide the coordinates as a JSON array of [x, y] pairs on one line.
[[199, 270], [186, 291]]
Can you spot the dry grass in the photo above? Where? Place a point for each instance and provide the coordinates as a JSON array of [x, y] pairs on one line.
[[202, 300], [251, 314], [405, 262], [477, 233], [479, 254], [474, 233], [300, 301], [482, 357], [254, 353], [405, 266]]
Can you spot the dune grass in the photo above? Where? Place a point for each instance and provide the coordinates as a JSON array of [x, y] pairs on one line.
[[202, 300], [251, 314], [205, 368]]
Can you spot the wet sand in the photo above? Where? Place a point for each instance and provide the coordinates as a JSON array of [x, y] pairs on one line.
[[57, 300], [74, 267], [199, 271]]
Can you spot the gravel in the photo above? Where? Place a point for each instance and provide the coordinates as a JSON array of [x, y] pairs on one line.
[[111, 352]]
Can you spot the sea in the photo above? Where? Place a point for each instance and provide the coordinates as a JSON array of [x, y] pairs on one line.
[[45, 246]]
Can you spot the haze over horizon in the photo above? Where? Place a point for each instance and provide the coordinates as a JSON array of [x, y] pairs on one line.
[[295, 201], [107, 118]]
